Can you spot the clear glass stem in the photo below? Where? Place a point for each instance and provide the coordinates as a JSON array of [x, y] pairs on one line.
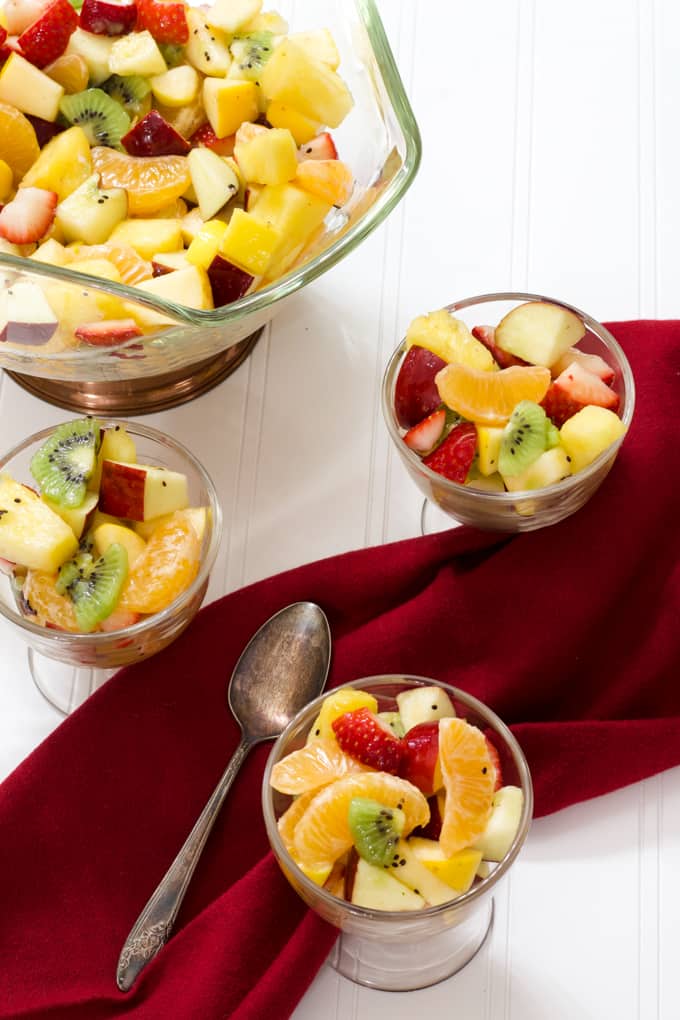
[[65, 687]]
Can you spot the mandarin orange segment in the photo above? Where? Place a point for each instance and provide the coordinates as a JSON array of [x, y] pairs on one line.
[[469, 780], [51, 608], [18, 143], [131, 266], [287, 823], [165, 569], [70, 71], [488, 398], [316, 764], [322, 834], [150, 181]]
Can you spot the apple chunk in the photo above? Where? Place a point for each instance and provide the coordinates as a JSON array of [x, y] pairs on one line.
[[539, 332], [140, 492]]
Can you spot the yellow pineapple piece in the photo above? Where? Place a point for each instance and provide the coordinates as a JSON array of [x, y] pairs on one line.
[[249, 243], [302, 128], [348, 699], [102, 268], [449, 338], [293, 77], [189, 287], [22, 85], [270, 157], [458, 870], [148, 236], [294, 213], [489, 440], [228, 102], [63, 164], [588, 433], [30, 532], [320, 45], [6, 181], [53, 253], [206, 243]]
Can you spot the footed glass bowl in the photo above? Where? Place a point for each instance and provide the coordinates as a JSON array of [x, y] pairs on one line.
[[522, 510], [192, 349], [402, 950]]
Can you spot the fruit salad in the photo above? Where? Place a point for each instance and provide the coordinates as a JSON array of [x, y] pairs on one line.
[[98, 541], [514, 407], [396, 810], [181, 150]]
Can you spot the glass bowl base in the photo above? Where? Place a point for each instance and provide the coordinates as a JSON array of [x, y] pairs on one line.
[[64, 686], [142, 395], [417, 962]]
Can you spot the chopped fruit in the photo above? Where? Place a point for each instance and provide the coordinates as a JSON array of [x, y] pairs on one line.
[[18, 142], [249, 243], [116, 444], [320, 147], [28, 89], [450, 339], [227, 282], [312, 766], [320, 45], [270, 157], [119, 619], [453, 457], [47, 37], [575, 388], [48, 607], [424, 436], [62, 165], [550, 467], [500, 831], [30, 532], [301, 128], [19, 14], [189, 287], [107, 535], [77, 516], [91, 213], [590, 362], [228, 102], [136, 53], [415, 394], [213, 180], [131, 266], [108, 17], [496, 759], [347, 699], [108, 333], [166, 20], [28, 216], [207, 50], [6, 180], [487, 336], [376, 889], [148, 237], [469, 779], [458, 871], [95, 50], [153, 136], [103, 120], [206, 136], [489, 441], [407, 867], [423, 704], [539, 331], [524, 439], [291, 76], [330, 179], [588, 433], [232, 15], [294, 213], [176, 87], [205, 245], [287, 823], [375, 829], [70, 71], [167, 567], [488, 398], [150, 183], [368, 739], [140, 492], [420, 757], [28, 317]]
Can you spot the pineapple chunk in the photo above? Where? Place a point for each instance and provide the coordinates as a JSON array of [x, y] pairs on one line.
[[24, 86], [95, 50], [588, 433], [136, 53], [63, 164], [189, 287], [6, 181], [53, 253], [294, 213], [249, 243], [32, 534], [488, 448], [347, 699], [302, 128], [228, 102], [269, 157], [206, 244], [148, 237], [458, 871], [319, 44], [208, 48], [74, 516], [310, 86], [450, 339]]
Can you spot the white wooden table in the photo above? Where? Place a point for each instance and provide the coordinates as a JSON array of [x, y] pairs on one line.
[[551, 164]]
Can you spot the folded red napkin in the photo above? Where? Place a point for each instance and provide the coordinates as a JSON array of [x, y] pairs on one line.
[[571, 634]]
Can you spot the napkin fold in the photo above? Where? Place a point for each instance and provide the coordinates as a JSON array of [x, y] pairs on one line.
[[570, 633]]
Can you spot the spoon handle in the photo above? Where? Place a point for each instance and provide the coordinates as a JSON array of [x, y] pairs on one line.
[[153, 926]]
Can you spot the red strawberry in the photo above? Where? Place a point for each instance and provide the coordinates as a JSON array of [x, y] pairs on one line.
[[454, 456], [165, 19], [47, 38], [107, 333], [3, 34], [487, 336], [207, 137], [496, 761], [321, 147], [368, 739], [573, 389], [28, 216], [591, 362], [108, 17], [424, 436]]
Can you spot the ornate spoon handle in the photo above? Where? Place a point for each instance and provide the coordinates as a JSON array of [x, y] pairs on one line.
[[153, 926]]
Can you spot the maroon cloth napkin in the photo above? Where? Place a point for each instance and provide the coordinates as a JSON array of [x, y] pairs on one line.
[[571, 634]]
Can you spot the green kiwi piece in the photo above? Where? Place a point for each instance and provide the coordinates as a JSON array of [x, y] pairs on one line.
[[96, 593], [552, 435], [375, 829], [173, 55], [393, 720], [524, 438], [79, 566], [65, 462], [251, 52], [103, 120], [129, 91]]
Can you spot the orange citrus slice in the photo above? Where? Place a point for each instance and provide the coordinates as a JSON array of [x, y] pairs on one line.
[[70, 71], [165, 569], [287, 823], [51, 608], [131, 266], [322, 834], [18, 143], [316, 764], [488, 398], [150, 181], [469, 780]]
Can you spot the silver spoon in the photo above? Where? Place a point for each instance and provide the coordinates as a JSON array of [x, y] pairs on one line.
[[283, 666]]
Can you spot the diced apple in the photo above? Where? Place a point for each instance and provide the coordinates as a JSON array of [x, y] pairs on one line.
[[410, 870], [539, 332], [208, 48], [588, 433], [269, 157], [206, 244], [95, 50], [213, 180], [423, 704], [231, 15], [457, 871], [75, 517], [31, 91], [140, 492], [550, 467], [228, 103], [189, 287], [376, 889], [116, 444], [111, 534], [503, 824], [320, 45], [25, 315], [136, 53], [91, 213], [228, 282], [291, 76], [30, 532], [168, 261], [176, 87]]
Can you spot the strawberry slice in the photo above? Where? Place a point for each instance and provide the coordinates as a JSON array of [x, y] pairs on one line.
[[107, 333], [321, 147], [165, 19], [573, 390], [28, 216], [368, 739], [3, 34], [47, 38], [591, 362], [424, 436], [108, 17], [453, 457], [206, 136], [487, 336]]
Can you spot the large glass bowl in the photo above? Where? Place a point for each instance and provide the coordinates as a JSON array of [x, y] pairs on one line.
[[56, 656], [403, 950], [513, 511], [379, 139]]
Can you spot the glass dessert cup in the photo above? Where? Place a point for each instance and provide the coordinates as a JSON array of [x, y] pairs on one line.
[[403, 950], [191, 350], [66, 667], [510, 511]]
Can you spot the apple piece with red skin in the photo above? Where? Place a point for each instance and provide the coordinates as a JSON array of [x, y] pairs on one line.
[[420, 760], [108, 17], [227, 281], [140, 492], [487, 336], [415, 393], [45, 130], [154, 136]]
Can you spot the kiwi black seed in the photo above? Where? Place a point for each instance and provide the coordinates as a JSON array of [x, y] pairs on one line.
[[103, 120], [96, 592], [129, 91], [524, 438], [251, 52], [79, 566], [375, 829], [65, 462]]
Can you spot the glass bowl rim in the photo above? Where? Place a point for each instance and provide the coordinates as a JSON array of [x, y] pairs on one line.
[[502, 498], [105, 638], [294, 280], [392, 916]]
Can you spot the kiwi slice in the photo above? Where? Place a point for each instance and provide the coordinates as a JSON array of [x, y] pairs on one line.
[[552, 435], [524, 438], [79, 566], [65, 462], [103, 120], [173, 55], [251, 52], [393, 720], [375, 829], [129, 91], [95, 590]]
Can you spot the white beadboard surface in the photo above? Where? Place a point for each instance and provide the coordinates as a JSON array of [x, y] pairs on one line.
[[551, 163]]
